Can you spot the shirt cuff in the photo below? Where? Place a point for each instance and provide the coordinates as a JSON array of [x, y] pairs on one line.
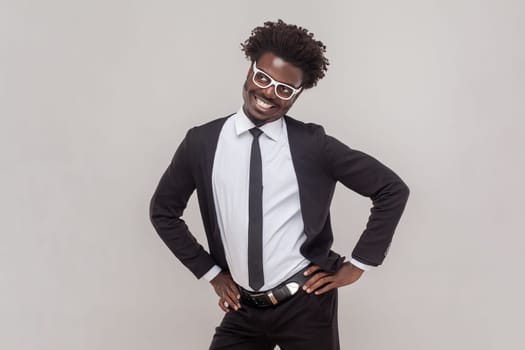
[[212, 273], [361, 265]]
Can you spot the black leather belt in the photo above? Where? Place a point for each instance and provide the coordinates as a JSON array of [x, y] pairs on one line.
[[276, 295]]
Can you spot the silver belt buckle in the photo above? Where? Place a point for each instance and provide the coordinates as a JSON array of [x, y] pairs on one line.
[[292, 287], [272, 297]]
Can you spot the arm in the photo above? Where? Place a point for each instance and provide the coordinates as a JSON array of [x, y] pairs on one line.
[[166, 208], [368, 177]]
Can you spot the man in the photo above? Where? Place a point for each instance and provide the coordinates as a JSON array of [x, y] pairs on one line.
[[264, 183]]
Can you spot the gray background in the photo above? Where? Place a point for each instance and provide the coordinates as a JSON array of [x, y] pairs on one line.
[[96, 95]]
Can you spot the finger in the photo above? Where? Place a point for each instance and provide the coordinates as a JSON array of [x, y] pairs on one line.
[[234, 290], [311, 270], [223, 306], [232, 301], [326, 288], [313, 280], [321, 283]]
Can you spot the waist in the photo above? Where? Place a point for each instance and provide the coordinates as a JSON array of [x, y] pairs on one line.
[[277, 295]]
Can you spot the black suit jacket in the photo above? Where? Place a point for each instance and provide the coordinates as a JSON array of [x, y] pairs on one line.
[[319, 161]]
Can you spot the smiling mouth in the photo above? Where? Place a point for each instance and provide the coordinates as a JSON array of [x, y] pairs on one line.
[[262, 103]]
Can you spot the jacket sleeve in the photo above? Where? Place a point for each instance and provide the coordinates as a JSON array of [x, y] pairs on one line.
[[369, 177], [166, 208]]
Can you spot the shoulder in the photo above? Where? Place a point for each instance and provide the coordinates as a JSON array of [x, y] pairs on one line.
[[313, 138], [305, 129], [211, 125], [207, 130]]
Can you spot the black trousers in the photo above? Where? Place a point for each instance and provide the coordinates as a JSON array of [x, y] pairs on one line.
[[303, 322]]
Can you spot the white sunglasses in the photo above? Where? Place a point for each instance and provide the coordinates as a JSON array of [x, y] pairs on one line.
[[263, 80]]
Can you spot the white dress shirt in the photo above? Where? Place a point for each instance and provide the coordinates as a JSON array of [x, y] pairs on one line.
[[283, 227]]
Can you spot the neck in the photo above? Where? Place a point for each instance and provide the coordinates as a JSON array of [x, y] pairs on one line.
[[255, 121]]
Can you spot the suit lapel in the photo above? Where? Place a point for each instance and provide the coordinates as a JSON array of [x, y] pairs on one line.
[[300, 158], [208, 146]]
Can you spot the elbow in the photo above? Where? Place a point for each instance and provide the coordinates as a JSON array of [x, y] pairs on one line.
[[153, 212], [401, 190], [401, 193], [404, 191], [396, 191]]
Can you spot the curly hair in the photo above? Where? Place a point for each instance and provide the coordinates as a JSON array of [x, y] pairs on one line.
[[294, 44]]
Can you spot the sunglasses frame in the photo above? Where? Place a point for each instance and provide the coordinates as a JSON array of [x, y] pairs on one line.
[[273, 82]]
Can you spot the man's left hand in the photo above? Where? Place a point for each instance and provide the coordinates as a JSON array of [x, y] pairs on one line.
[[321, 282]]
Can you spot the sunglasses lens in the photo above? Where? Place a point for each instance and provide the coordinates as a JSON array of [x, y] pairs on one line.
[[261, 80], [283, 91]]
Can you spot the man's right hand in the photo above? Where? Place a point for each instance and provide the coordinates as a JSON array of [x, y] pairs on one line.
[[227, 290]]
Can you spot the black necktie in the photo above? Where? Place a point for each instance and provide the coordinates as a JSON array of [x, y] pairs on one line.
[[255, 218]]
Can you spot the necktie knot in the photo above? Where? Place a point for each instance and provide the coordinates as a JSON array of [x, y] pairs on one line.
[[256, 132]]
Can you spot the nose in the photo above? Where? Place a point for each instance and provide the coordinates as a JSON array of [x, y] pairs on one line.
[[269, 92]]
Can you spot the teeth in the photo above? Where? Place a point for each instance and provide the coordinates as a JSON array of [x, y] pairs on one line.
[[262, 104]]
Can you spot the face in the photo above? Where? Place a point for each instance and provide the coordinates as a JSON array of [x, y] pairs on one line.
[[262, 105]]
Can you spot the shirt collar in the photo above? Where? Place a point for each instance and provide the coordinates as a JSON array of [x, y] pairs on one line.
[[273, 129]]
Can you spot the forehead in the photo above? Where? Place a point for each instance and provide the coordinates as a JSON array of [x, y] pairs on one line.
[[280, 70]]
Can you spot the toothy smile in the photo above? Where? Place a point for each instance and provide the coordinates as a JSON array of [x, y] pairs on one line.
[[262, 104]]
